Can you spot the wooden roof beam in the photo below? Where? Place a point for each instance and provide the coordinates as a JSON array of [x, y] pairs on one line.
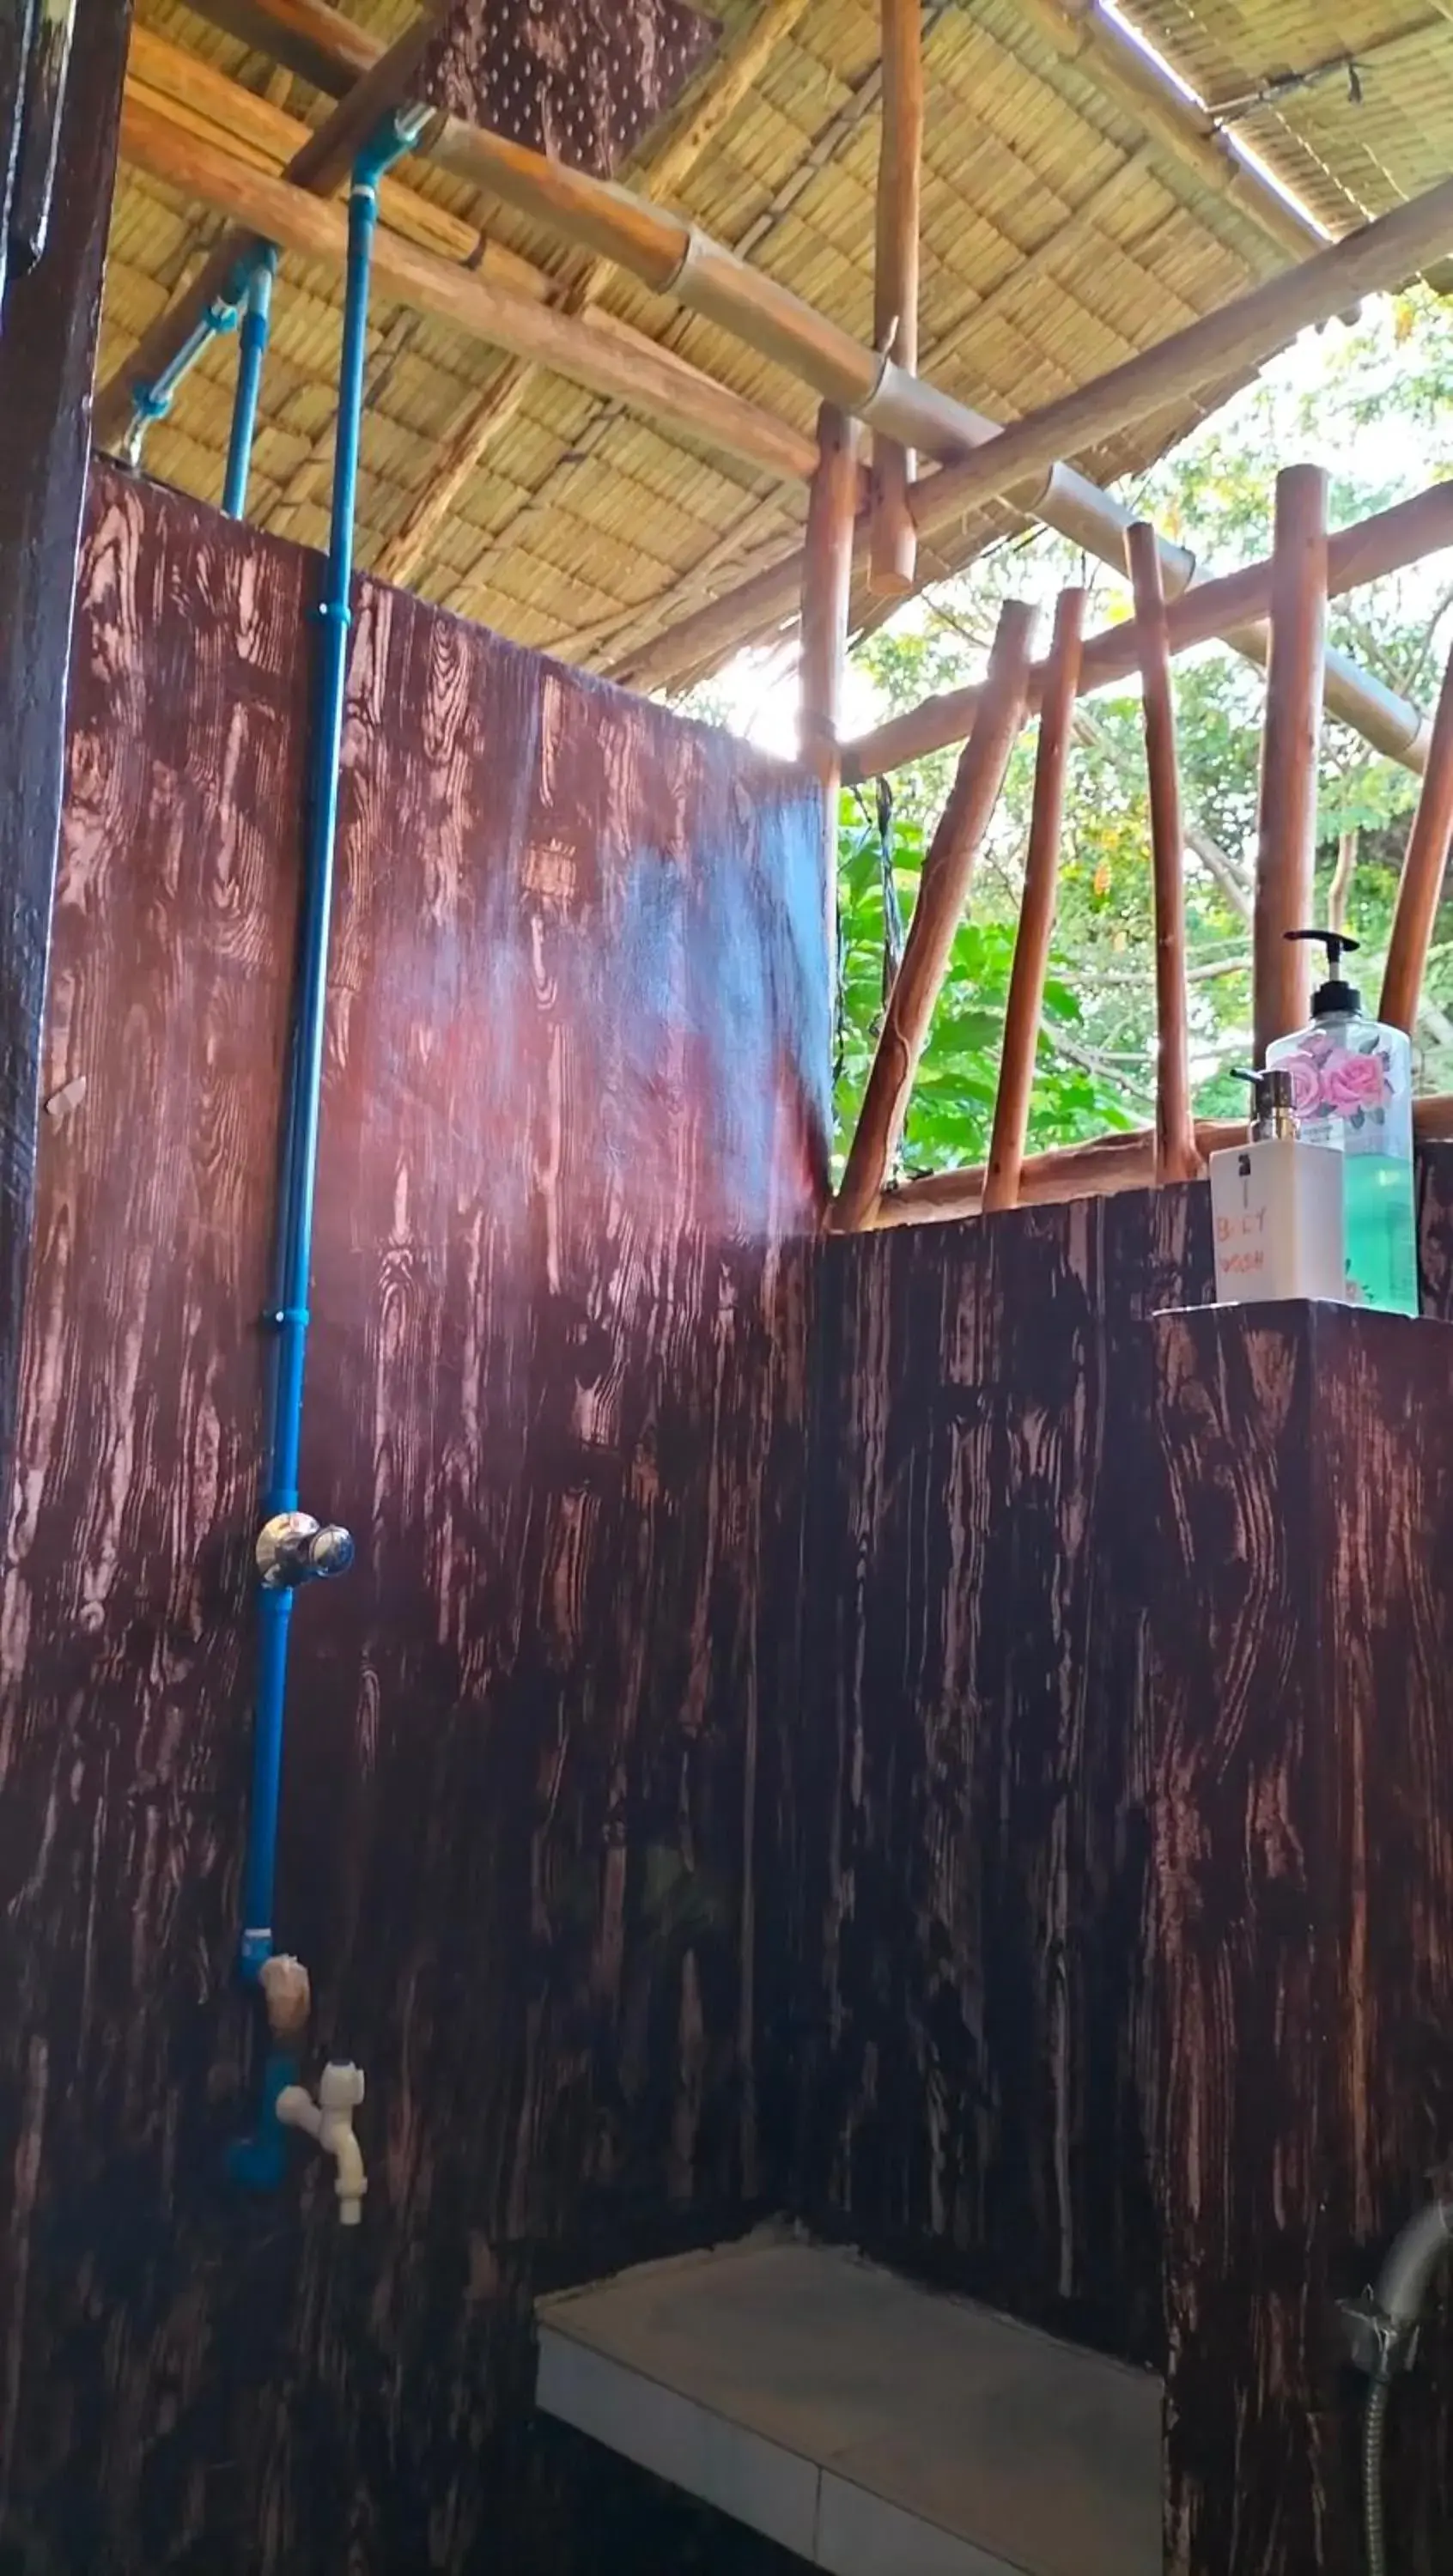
[[594, 350], [318, 167], [1385, 543], [1083, 34], [894, 539]]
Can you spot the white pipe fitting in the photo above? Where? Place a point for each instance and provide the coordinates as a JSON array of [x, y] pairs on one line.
[[330, 2121]]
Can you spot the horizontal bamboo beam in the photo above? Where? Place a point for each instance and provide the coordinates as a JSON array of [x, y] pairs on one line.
[[1384, 543], [673, 257], [212, 105], [1084, 35], [316, 169], [1093, 1170], [1381, 256], [592, 349]]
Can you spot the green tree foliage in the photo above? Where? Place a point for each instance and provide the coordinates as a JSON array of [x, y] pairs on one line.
[[1373, 403]]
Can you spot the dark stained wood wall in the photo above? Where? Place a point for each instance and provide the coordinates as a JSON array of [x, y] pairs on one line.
[[574, 1106], [1128, 1734]]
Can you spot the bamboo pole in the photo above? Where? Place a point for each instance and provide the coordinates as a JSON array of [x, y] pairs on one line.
[[481, 423], [825, 626], [893, 542], [1381, 544], [674, 257], [1083, 33], [943, 890], [1036, 908], [593, 350], [1090, 518], [328, 49], [1175, 1141], [1421, 882], [1382, 255], [316, 169], [1093, 1170], [1290, 744]]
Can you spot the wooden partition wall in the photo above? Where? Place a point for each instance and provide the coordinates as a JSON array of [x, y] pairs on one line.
[[735, 1775], [575, 1103]]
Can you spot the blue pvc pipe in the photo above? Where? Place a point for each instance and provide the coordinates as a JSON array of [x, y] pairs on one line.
[[299, 1163], [252, 349], [152, 401]]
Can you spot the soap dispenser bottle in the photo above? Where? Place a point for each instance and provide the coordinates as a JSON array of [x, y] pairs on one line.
[[1276, 1206], [1352, 1087]]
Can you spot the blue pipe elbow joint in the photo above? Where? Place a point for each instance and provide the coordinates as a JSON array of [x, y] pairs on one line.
[[259, 2163]]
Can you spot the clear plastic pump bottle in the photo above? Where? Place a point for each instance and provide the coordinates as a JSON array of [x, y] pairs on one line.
[[1352, 1085]]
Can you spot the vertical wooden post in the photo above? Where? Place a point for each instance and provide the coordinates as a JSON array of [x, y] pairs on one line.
[[827, 573], [1291, 743], [893, 537], [1036, 909], [47, 357], [943, 890], [1176, 1158], [1421, 882]]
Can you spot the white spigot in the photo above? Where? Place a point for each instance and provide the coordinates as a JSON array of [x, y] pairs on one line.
[[330, 2121]]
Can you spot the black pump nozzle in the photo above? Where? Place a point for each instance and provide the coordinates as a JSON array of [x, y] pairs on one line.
[[1334, 995]]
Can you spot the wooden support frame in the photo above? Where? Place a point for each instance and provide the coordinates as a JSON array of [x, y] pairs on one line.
[[317, 169], [943, 890], [893, 541], [1421, 883], [1291, 742], [1385, 543], [1093, 1170], [825, 626], [1037, 907], [674, 257], [1176, 1158], [594, 350]]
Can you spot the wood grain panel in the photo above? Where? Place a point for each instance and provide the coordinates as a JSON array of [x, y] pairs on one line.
[[47, 355], [574, 1106]]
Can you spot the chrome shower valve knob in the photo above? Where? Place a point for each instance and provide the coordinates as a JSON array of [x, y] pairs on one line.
[[293, 1548]]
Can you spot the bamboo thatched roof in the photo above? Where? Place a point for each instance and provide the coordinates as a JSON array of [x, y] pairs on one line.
[[1065, 226]]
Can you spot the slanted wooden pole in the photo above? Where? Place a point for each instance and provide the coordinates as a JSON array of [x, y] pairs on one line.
[[1176, 1158], [825, 584], [894, 541], [1036, 909], [1291, 744], [943, 890], [1421, 882]]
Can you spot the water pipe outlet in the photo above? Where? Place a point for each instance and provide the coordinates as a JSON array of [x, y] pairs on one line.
[[293, 1548], [330, 2121]]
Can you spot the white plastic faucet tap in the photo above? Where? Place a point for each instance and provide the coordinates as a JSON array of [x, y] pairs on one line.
[[330, 2121]]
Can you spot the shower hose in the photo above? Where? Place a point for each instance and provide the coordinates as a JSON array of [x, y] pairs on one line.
[[1374, 2427]]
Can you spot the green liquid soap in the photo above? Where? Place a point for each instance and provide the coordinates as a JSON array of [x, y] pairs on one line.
[[1382, 1252]]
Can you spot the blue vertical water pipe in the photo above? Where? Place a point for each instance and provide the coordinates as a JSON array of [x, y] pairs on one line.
[[289, 1312], [251, 350]]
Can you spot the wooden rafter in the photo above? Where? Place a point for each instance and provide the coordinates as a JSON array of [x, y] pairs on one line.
[[593, 350], [893, 538]]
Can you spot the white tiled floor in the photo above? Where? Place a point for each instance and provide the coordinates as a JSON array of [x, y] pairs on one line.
[[873, 2427]]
